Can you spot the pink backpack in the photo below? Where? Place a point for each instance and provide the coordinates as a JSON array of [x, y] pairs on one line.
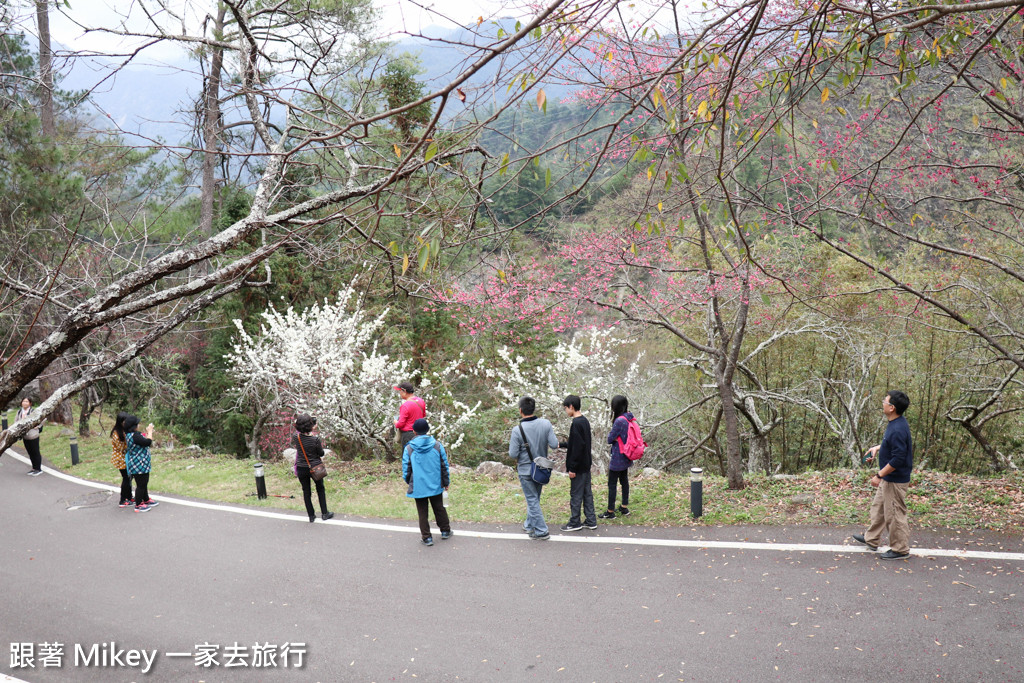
[[634, 446]]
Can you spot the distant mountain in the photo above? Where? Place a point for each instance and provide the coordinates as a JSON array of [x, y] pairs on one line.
[[443, 55], [152, 101], [157, 101]]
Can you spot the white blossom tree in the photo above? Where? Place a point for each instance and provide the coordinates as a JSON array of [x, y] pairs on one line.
[[588, 365], [325, 360]]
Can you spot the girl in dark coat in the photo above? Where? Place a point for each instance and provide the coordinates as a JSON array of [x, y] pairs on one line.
[[618, 468]]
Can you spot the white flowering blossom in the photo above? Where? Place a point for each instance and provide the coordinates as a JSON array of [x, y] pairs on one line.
[[586, 365], [589, 366], [325, 361]]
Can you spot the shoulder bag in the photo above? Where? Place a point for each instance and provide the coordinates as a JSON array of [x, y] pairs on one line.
[[540, 468]]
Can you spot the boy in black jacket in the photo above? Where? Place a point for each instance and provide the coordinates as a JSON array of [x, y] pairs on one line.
[[578, 460]]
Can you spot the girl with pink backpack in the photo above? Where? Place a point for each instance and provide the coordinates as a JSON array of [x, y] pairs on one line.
[[618, 468]]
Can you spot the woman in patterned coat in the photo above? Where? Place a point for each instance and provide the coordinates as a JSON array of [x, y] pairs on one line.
[[118, 446]]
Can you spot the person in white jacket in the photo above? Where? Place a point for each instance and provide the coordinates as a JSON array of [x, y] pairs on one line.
[[31, 438]]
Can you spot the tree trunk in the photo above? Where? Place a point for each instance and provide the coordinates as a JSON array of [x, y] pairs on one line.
[[212, 128], [998, 461], [252, 442], [733, 448], [57, 374], [46, 115], [759, 455], [89, 400]]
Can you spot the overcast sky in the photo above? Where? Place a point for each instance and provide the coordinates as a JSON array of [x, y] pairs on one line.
[[67, 23]]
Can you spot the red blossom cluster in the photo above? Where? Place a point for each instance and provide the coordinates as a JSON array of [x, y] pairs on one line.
[[597, 279]]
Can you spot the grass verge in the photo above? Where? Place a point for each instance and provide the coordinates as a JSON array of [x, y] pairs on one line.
[[375, 489]]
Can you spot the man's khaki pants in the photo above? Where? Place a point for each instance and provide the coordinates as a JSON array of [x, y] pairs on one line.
[[889, 512]]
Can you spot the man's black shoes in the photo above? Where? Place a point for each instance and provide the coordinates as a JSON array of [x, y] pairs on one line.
[[860, 539], [893, 555]]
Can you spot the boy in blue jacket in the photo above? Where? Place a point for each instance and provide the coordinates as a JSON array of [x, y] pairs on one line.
[[425, 469]]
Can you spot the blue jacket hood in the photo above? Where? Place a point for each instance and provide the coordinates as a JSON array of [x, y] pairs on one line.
[[422, 443]]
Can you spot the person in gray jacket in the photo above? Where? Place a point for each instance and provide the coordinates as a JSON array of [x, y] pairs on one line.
[[541, 436]]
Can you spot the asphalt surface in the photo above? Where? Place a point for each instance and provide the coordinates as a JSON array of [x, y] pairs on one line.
[[369, 604]]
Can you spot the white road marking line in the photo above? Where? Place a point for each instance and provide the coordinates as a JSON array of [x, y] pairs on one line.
[[518, 536]]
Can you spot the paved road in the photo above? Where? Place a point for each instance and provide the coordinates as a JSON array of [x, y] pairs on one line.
[[374, 605]]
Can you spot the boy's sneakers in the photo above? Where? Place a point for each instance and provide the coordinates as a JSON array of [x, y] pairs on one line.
[[540, 537], [607, 514], [623, 510], [429, 540], [590, 525], [446, 534], [34, 473], [571, 527], [142, 508]]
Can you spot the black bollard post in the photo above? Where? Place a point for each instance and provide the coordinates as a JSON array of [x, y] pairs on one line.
[[261, 483], [6, 413], [696, 491], [74, 449]]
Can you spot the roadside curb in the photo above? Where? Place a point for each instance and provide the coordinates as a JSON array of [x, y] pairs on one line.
[[514, 536]]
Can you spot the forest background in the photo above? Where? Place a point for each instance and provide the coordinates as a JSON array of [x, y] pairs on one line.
[[752, 218]]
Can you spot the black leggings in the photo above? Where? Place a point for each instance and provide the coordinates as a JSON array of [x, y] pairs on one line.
[[440, 514], [126, 486], [32, 448], [613, 478], [307, 494], [141, 488]]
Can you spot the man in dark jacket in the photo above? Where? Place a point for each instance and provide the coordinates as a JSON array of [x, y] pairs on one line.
[[896, 458], [578, 460]]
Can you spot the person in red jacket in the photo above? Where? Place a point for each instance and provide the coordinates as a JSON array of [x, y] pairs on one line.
[[413, 408]]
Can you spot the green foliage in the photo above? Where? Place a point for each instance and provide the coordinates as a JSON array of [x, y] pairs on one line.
[[522, 194], [841, 497], [35, 176], [400, 87], [486, 438]]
